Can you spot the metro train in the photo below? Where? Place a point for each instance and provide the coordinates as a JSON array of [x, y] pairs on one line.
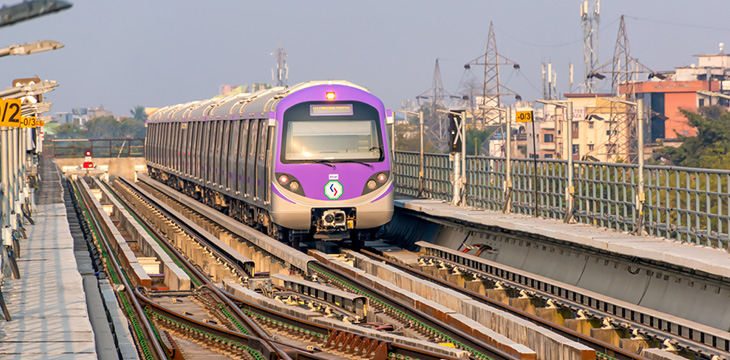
[[309, 161]]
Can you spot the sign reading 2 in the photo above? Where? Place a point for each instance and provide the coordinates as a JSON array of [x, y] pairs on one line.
[[10, 112]]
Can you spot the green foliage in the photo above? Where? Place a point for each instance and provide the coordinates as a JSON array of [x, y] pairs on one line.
[[103, 127], [475, 139], [138, 113], [710, 149]]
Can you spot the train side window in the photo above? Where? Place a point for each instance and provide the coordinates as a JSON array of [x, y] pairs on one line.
[[224, 153], [243, 150], [233, 156]]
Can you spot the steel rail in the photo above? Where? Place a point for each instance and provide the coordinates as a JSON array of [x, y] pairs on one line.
[[582, 338], [457, 334], [398, 349], [150, 335], [270, 349]]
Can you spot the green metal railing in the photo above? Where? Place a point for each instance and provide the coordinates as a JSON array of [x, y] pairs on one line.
[[683, 204], [100, 148]]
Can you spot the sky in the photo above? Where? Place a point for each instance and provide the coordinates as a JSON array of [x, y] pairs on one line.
[[121, 54]]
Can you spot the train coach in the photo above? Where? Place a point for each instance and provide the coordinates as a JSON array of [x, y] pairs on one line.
[[300, 162]]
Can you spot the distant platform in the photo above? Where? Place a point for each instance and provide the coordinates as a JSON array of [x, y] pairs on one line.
[[715, 262]]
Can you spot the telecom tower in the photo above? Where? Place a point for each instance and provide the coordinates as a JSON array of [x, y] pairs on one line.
[[589, 18], [493, 90], [435, 122], [281, 74]]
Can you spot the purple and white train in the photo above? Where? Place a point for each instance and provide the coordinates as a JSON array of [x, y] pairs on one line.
[[305, 161]]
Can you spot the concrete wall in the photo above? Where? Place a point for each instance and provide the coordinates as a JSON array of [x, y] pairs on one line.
[[123, 166]]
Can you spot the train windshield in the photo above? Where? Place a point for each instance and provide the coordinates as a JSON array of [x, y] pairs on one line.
[[331, 138]]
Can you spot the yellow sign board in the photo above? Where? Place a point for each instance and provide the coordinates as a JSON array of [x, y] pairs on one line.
[[10, 115], [10, 112], [524, 116]]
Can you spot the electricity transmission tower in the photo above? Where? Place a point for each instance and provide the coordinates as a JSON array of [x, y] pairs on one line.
[[437, 127], [492, 90], [589, 20], [622, 135], [281, 73]]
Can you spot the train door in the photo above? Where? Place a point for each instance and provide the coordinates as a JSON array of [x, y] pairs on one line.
[[204, 152], [184, 148], [233, 156], [242, 155], [149, 144], [176, 146], [165, 145], [211, 152], [251, 162], [226, 133], [261, 178], [191, 149], [198, 149]]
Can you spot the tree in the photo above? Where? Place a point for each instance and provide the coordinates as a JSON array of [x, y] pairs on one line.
[[711, 147], [138, 113]]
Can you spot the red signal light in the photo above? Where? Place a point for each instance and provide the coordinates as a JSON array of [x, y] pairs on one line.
[[88, 152]]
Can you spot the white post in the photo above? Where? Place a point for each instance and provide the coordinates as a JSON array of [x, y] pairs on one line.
[[569, 190], [457, 179], [640, 197], [421, 173], [507, 207]]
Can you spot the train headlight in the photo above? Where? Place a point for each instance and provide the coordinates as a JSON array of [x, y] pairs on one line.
[[290, 183], [330, 95], [376, 181], [294, 186], [371, 184]]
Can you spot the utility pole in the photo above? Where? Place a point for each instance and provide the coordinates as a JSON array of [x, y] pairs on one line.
[[281, 74], [589, 20]]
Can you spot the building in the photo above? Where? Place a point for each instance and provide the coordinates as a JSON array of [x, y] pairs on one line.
[[688, 88]]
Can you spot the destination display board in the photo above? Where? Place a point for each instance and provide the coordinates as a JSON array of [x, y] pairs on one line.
[[330, 109]]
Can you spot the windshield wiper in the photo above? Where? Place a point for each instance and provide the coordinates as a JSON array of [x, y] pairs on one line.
[[356, 162], [326, 162], [379, 148]]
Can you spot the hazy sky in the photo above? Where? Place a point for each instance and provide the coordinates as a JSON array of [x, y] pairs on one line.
[[155, 53]]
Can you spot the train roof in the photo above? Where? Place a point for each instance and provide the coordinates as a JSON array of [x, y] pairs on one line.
[[249, 105]]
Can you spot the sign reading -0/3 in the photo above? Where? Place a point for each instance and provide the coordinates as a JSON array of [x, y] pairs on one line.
[[524, 116], [10, 115]]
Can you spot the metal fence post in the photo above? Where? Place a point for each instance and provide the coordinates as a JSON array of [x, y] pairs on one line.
[[570, 189], [462, 174], [640, 197], [421, 173], [507, 207]]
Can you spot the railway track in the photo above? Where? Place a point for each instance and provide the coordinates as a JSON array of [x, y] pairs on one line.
[[229, 326], [643, 327], [459, 339], [316, 336]]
